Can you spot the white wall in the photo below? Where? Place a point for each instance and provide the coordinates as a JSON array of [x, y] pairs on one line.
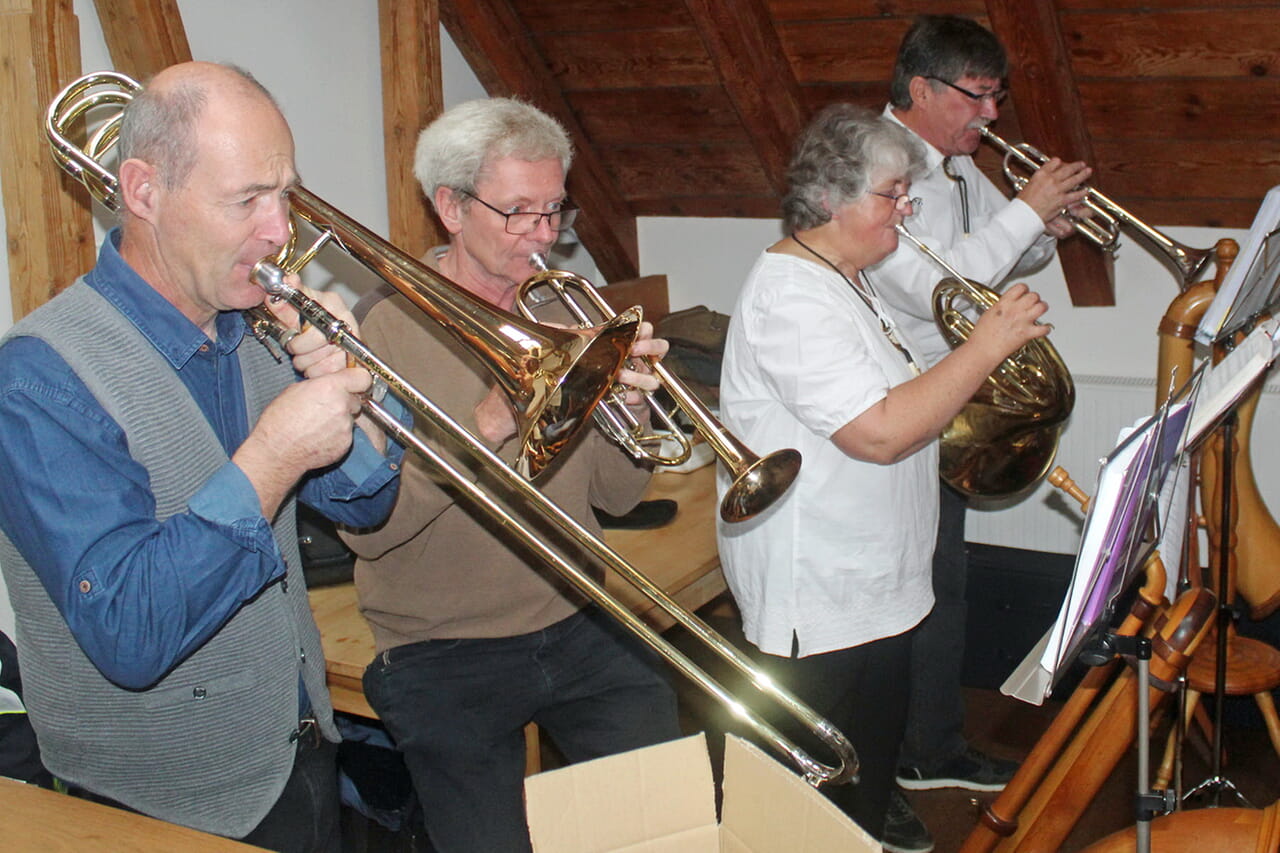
[[321, 60]]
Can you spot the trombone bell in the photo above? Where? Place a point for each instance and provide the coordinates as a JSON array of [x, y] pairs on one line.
[[756, 481]]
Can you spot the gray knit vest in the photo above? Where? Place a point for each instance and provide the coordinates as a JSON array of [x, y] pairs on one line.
[[208, 746]]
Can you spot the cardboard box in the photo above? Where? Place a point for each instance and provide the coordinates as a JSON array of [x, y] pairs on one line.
[[661, 799]]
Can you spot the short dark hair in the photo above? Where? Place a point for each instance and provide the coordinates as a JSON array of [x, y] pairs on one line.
[[947, 47], [838, 156]]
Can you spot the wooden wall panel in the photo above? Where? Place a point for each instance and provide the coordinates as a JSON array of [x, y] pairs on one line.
[[748, 207], [628, 59], [648, 171], [843, 51], [1186, 109], [817, 10], [656, 116], [1156, 5], [1206, 42], [1169, 168], [576, 16]]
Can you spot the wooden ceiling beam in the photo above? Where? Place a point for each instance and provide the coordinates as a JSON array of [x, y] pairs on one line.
[[502, 54], [1051, 118], [756, 73], [143, 36], [411, 96], [49, 231]]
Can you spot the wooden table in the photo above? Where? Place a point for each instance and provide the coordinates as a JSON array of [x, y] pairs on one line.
[[680, 557], [37, 819]]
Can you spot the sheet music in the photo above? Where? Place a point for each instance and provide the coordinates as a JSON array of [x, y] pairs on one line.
[[1251, 281], [1125, 505], [1224, 383]]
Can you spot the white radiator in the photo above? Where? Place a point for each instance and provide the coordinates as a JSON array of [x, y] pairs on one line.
[[1047, 520]]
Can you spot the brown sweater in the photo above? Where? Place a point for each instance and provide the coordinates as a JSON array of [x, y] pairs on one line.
[[436, 569]]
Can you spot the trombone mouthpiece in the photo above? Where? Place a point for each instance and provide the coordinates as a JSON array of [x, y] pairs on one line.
[[267, 275], [538, 262]]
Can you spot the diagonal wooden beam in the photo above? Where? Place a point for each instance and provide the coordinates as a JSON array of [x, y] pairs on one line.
[[143, 36], [49, 231], [1051, 118], [501, 52], [756, 74], [411, 97]]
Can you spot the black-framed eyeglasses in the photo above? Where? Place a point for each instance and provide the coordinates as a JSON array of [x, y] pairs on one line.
[[995, 96], [521, 222], [901, 201]]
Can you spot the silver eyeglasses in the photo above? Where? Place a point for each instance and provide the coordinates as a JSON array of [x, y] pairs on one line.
[[522, 222], [901, 201]]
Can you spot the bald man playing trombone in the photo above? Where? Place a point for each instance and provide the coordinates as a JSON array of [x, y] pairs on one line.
[[152, 455]]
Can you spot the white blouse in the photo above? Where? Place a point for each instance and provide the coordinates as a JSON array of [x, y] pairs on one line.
[[844, 557]]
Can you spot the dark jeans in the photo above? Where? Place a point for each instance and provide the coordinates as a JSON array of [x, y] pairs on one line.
[[457, 709], [305, 818], [861, 691], [935, 719]]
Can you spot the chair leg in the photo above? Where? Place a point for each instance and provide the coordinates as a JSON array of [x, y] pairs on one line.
[[1165, 774], [1267, 705]]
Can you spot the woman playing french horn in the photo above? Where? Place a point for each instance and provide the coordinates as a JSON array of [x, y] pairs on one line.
[[833, 577]]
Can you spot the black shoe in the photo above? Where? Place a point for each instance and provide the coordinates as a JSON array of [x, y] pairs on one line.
[[903, 831], [645, 516], [971, 770]]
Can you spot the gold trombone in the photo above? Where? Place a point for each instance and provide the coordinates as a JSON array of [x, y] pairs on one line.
[[1102, 226], [404, 275], [756, 482]]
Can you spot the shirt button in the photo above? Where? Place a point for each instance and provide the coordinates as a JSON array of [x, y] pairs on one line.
[[199, 692], [85, 586], [394, 467], [302, 655], [284, 585], [204, 348]]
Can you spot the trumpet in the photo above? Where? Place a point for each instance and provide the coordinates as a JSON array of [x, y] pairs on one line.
[[516, 499], [1102, 226], [1005, 438], [756, 482]]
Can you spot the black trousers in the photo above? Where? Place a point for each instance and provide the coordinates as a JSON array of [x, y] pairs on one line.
[[863, 692], [935, 719]]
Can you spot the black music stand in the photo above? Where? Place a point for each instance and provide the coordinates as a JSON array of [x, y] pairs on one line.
[[1250, 291]]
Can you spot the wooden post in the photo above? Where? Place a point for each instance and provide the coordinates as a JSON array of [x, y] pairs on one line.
[[49, 231], [411, 96]]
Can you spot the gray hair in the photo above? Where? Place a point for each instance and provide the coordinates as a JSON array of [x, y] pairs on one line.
[[947, 47], [454, 150], [159, 125], [837, 158]]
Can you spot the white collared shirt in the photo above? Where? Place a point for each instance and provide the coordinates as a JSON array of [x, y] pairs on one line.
[[1006, 237], [844, 557]]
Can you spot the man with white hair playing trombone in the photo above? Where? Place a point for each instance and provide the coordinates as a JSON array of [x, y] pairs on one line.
[[948, 82], [475, 637]]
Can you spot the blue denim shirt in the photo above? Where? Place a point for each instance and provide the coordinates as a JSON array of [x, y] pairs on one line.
[[76, 502]]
